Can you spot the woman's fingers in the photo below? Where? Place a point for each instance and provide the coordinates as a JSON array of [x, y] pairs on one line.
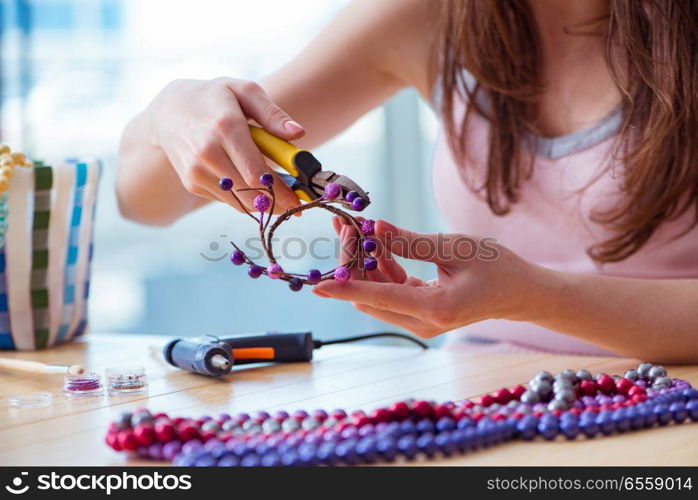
[[388, 296], [436, 248], [258, 105], [410, 323], [387, 264], [234, 135], [348, 242]]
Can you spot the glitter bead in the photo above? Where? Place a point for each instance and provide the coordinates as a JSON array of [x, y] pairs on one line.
[[237, 258], [261, 203], [226, 184], [358, 204], [368, 227], [332, 191], [370, 264], [254, 271], [342, 274], [275, 271], [266, 179], [295, 284]]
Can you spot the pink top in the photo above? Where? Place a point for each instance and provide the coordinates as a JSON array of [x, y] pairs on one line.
[[551, 224]]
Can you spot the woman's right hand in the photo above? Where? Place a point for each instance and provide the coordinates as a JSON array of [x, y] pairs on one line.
[[202, 128]]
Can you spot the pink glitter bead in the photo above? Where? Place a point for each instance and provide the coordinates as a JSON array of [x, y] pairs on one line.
[[368, 227], [274, 271], [342, 274], [332, 191]]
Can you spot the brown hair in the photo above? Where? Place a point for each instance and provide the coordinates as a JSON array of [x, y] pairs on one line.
[[652, 53]]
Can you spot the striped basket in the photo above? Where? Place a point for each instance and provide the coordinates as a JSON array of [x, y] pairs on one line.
[[45, 262]]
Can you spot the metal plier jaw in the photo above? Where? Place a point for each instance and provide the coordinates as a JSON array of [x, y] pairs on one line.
[[305, 175]]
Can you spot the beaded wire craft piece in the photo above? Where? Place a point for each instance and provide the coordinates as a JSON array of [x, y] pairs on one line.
[[264, 203], [601, 405]]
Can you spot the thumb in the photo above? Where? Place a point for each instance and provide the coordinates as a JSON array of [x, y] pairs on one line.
[[256, 104], [428, 247]]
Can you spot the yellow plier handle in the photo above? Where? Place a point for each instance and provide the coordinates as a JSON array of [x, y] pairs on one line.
[[299, 163]]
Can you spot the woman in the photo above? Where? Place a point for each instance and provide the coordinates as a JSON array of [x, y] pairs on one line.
[[570, 135]]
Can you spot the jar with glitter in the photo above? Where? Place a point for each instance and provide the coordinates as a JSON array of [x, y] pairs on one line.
[[126, 380], [84, 384]]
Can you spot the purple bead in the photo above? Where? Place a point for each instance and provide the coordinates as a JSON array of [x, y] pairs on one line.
[[170, 450], [254, 271], [368, 227], [332, 191], [229, 460], [281, 415], [261, 203], [358, 204], [342, 274], [678, 411], [191, 446], [300, 415], [274, 271], [314, 276], [295, 284], [211, 444], [155, 451], [692, 409], [331, 435], [260, 416], [618, 398], [370, 264], [369, 245], [237, 258], [320, 415], [226, 184], [351, 196], [367, 430], [266, 180]]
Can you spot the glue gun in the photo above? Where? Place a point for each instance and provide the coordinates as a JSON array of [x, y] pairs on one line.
[[215, 356]]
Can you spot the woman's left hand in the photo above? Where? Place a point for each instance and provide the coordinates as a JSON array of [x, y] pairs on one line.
[[478, 279]]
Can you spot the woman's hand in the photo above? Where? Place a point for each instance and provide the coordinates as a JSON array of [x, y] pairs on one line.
[[202, 128], [477, 280]]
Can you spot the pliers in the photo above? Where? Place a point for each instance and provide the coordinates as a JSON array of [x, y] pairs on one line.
[[305, 174]]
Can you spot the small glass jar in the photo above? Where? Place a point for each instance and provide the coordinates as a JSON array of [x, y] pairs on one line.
[[84, 384], [31, 400], [126, 380]]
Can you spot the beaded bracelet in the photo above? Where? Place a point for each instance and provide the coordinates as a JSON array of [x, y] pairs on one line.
[[602, 405], [359, 258], [8, 162]]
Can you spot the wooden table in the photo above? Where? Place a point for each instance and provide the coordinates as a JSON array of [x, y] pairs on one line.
[[71, 432]]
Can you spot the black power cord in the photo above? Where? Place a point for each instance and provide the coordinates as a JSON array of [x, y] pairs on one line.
[[319, 343]]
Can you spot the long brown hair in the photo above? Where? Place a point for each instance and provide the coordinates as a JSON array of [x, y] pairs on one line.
[[652, 53]]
